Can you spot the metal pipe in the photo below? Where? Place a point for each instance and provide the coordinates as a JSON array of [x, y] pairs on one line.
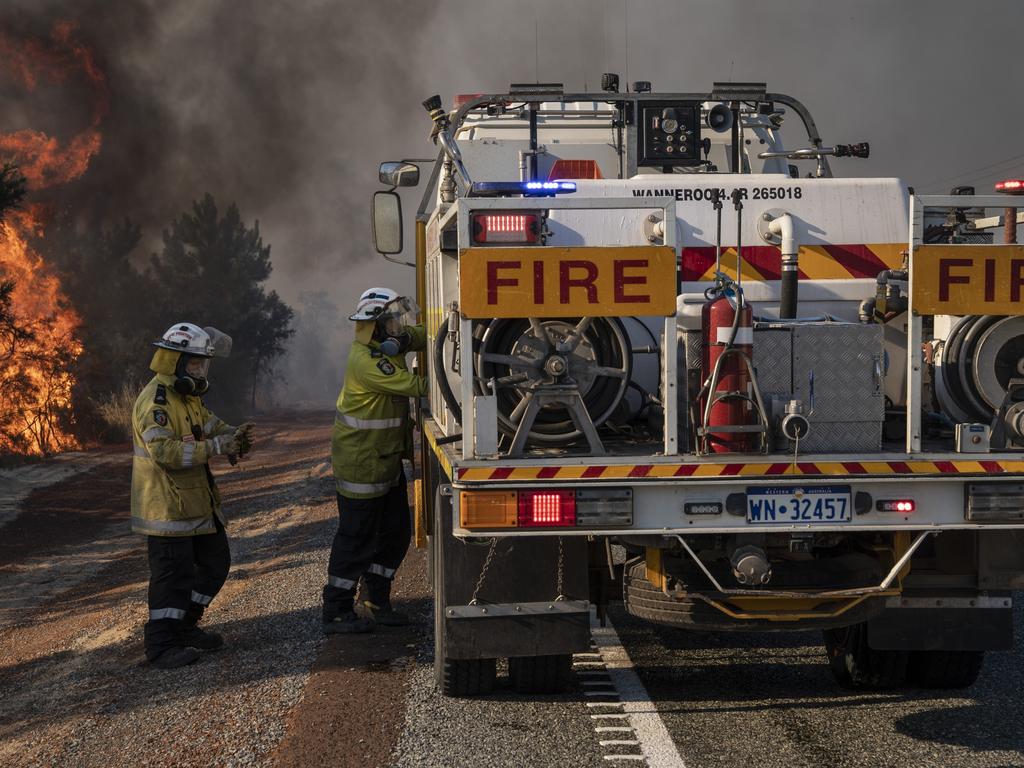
[[533, 142], [1010, 226], [735, 139], [783, 227]]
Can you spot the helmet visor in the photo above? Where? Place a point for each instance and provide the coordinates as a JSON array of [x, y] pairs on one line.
[[220, 342], [402, 308], [197, 367]]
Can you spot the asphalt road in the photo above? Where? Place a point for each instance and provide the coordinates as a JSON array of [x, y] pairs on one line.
[[769, 700]]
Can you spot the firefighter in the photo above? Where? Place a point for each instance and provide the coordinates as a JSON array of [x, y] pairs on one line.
[[372, 434], [175, 502]]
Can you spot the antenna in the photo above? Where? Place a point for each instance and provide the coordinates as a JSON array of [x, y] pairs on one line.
[[536, 49], [625, 15]]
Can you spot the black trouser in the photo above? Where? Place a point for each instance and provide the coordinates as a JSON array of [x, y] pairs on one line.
[[371, 542], [185, 574]]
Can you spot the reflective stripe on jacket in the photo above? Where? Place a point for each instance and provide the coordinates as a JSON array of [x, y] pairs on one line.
[[172, 492], [372, 431]]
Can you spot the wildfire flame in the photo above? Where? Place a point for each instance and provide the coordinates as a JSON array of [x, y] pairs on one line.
[[35, 394]]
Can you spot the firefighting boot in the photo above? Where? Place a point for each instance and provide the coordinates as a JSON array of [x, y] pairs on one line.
[[194, 637], [173, 658], [385, 615], [348, 624]]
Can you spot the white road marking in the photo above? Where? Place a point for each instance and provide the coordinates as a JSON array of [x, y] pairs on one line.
[[613, 728], [605, 717], [618, 742], [656, 744]]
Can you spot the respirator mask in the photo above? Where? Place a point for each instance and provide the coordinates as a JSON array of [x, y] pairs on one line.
[[190, 375], [391, 324]]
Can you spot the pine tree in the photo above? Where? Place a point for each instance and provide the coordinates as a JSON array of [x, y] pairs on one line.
[[211, 272]]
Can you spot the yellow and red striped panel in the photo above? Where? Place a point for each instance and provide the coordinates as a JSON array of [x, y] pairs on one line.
[[817, 262], [748, 469]]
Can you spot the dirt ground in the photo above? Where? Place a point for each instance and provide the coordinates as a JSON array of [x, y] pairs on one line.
[[74, 685]]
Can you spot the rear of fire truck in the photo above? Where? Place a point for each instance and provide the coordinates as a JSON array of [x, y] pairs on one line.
[[675, 360]]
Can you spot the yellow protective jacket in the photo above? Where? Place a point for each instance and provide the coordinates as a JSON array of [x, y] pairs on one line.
[[372, 431], [173, 493]]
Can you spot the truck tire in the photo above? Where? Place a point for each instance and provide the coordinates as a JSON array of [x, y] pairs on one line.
[[944, 669], [856, 665], [455, 677], [540, 674], [468, 677], [645, 601]]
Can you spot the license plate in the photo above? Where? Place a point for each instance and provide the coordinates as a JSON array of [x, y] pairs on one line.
[[820, 505]]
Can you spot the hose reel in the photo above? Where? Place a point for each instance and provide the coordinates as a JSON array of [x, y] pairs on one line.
[[576, 369], [975, 365]]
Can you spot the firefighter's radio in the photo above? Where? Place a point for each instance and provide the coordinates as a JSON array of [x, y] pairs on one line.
[[669, 134]]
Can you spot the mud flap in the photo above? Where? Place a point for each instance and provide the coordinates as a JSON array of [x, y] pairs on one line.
[[522, 572], [942, 629]]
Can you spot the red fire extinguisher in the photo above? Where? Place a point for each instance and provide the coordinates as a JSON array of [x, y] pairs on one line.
[[728, 331]]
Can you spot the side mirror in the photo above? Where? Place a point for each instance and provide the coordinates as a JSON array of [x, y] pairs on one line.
[[387, 222], [399, 174]]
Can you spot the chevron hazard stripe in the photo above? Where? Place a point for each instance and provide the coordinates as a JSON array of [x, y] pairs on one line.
[[817, 262], [778, 469]]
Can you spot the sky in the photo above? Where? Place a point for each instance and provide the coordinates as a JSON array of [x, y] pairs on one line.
[[287, 106]]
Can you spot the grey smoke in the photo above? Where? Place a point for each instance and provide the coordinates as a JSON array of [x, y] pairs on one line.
[[286, 107]]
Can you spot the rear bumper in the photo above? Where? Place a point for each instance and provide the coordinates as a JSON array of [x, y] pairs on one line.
[[659, 505]]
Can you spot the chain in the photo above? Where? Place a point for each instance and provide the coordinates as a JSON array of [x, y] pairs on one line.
[[561, 570], [483, 572]]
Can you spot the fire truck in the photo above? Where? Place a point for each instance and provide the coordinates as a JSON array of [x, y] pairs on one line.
[[675, 360]]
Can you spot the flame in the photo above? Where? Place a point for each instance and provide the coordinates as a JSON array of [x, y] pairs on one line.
[[36, 382]]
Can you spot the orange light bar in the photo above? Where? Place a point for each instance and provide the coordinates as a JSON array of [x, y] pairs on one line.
[[574, 169], [488, 509]]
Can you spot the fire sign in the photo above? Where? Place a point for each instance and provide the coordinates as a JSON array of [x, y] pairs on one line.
[[567, 282], [968, 280]]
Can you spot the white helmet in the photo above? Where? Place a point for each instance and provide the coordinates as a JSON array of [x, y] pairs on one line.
[[193, 340], [372, 302]]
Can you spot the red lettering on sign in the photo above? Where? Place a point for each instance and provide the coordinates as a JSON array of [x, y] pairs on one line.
[[990, 280], [946, 279], [538, 282], [566, 282], [494, 282], [622, 280], [1016, 278]]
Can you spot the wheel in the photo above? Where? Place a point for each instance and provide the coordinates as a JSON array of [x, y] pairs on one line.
[[856, 665], [468, 677], [455, 677], [944, 669], [540, 674]]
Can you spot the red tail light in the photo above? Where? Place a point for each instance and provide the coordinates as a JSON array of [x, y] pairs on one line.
[[896, 505], [547, 509], [505, 227]]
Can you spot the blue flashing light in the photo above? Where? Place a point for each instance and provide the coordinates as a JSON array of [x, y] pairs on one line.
[[526, 188], [549, 186]]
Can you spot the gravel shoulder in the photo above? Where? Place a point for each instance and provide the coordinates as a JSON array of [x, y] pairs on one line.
[[76, 690]]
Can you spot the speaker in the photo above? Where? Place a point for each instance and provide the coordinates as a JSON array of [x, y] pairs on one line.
[[719, 118]]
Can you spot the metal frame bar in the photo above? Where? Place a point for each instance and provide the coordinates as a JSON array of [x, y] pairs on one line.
[[461, 208], [855, 592], [725, 94]]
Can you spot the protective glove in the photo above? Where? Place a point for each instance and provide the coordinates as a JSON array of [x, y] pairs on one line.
[[224, 445], [245, 437]]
